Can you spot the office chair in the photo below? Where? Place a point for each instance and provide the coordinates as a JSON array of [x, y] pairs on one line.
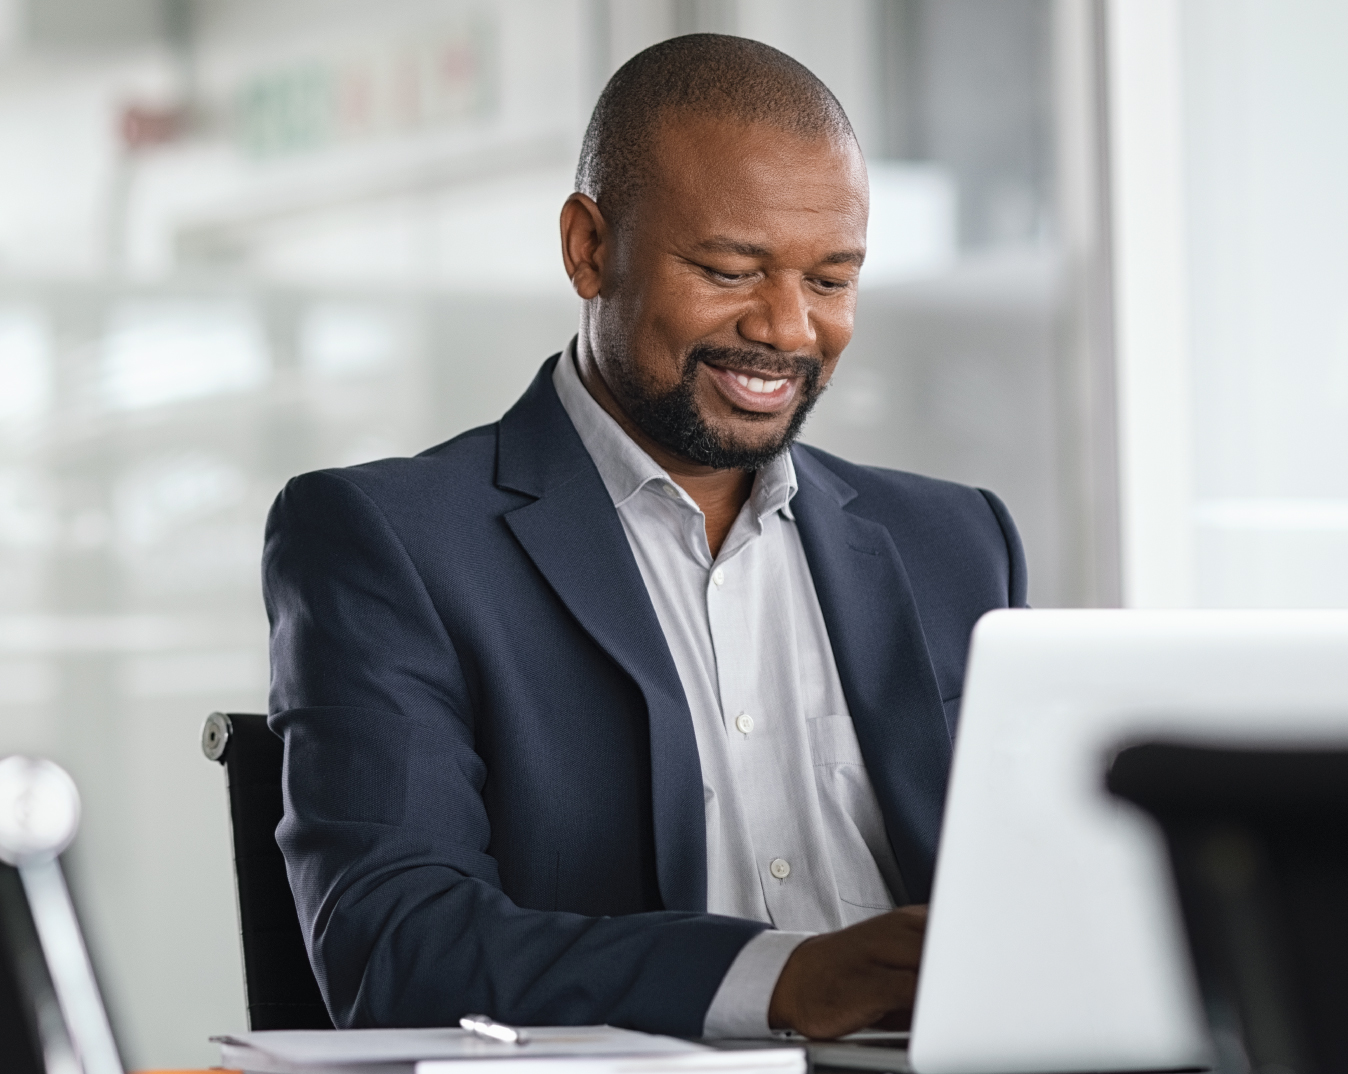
[[282, 991], [1258, 842]]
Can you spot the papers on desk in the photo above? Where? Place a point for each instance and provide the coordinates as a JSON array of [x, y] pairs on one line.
[[551, 1050]]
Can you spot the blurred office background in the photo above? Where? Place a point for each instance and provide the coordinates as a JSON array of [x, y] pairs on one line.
[[240, 239]]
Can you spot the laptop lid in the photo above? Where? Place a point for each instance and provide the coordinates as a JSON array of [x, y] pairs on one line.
[[1055, 942]]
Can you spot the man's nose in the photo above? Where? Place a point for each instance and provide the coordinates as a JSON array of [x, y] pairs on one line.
[[779, 316]]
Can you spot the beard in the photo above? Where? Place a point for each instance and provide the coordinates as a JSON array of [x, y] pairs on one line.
[[673, 421]]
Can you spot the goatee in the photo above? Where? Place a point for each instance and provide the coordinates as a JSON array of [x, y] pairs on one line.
[[672, 419]]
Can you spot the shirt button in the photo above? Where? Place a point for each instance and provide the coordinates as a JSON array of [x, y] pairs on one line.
[[780, 868], [718, 576], [744, 723], [671, 492]]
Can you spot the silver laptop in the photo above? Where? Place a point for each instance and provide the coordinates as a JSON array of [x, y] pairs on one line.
[[1055, 942]]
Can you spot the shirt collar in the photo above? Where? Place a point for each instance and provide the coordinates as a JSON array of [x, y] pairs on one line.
[[626, 469]]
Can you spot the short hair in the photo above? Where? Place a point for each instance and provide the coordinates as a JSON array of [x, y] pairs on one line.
[[704, 75]]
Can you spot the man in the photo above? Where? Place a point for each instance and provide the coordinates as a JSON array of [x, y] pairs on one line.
[[579, 705]]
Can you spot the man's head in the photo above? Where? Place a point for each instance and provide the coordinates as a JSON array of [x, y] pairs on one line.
[[716, 235]]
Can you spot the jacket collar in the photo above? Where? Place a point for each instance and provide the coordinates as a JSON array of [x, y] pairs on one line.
[[538, 449]]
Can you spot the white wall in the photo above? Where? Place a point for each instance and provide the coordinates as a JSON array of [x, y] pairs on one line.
[[1265, 90], [1150, 302], [1230, 158]]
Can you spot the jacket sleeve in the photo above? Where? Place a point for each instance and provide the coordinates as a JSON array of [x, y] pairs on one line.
[[385, 834]]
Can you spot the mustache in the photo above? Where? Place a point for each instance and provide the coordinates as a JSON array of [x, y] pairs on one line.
[[743, 360]]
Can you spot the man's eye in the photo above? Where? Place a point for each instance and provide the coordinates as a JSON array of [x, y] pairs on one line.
[[729, 277]]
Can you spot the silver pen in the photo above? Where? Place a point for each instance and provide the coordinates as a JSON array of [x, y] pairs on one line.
[[482, 1026]]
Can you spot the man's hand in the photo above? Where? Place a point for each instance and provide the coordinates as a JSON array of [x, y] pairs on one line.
[[857, 977]]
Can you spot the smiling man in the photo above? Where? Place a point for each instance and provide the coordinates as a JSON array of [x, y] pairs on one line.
[[628, 709]]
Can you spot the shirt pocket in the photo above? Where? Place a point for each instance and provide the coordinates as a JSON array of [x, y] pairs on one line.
[[853, 823], [833, 741]]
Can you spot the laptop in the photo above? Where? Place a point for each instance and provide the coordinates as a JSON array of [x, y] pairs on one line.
[[1055, 941]]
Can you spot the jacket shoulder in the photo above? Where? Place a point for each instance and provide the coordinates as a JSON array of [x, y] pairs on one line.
[[454, 469], [899, 487], [932, 518]]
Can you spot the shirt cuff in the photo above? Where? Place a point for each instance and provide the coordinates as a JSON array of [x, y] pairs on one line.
[[740, 1006]]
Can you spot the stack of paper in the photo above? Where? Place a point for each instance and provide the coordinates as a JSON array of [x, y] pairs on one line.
[[550, 1050]]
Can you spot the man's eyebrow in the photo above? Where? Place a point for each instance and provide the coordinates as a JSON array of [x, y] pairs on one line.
[[720, 244], [723, 245]]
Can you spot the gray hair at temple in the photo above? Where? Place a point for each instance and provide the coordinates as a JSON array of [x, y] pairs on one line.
[[702, 75]]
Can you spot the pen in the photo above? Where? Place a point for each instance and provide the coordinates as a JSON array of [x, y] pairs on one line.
[[482, 1026]]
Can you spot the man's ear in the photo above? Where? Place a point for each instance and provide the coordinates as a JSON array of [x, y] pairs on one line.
[[585, 244]]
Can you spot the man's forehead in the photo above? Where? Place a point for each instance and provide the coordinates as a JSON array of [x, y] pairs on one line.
[[681, 136], [718, 186]]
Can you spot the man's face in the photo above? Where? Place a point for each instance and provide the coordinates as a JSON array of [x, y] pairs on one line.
[[730, 291]]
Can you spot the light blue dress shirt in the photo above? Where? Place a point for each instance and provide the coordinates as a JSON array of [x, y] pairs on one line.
[[795, 836]]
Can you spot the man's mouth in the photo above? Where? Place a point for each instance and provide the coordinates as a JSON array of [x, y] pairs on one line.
[[758, 384], [753, 390]]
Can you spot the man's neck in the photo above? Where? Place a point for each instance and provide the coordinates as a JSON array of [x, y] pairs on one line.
[[720, 494]]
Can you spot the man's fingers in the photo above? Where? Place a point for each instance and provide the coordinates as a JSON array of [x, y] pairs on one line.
[[847, 980], [895, 939], [866, 1000]]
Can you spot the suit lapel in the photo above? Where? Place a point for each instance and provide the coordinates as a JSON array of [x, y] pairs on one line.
[[575, 539], [881, 655]]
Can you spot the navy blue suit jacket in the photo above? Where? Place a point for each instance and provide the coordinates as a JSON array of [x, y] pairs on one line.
[[493, 800]]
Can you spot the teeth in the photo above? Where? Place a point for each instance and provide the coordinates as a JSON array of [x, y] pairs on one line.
[[758, 384]]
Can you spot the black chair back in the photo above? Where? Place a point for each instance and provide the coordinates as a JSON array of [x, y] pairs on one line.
[[282, 991], [1258, 844]]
